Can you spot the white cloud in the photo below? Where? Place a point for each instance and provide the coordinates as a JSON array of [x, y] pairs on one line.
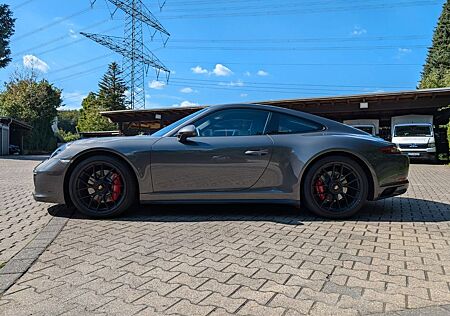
[[238, 83], [358, 31], [222, 71], [185, 104], [262, 73], [247, 74], [199, 70], [187, 90], [404, 50], [32, 62], [243, 95], [73, 34], [158, 85]]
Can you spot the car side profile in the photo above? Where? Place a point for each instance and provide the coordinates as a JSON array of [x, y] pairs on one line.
[[227, 154]]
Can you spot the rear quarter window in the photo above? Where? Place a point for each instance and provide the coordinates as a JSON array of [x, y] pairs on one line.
[[289, 124]]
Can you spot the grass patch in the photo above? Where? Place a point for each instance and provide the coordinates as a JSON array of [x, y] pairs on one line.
[[2, 264]]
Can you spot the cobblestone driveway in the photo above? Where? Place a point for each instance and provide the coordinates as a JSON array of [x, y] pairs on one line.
[[21, 218], [250, 260]]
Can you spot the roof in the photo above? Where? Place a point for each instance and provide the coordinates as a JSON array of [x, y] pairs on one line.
[[149, 114], [15, 123], [399, 103]]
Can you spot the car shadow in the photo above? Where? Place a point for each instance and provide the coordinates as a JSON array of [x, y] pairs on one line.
[[398, 209]]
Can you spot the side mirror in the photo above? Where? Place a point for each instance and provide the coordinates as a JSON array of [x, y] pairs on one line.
[[186, 132]]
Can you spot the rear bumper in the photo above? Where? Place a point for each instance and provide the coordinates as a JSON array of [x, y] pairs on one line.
[[393, 189]]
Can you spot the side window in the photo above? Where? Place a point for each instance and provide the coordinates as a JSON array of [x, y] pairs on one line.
[[289, 124], [233, 122]]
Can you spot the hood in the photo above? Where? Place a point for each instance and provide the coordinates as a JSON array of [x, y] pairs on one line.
[[119, 144]]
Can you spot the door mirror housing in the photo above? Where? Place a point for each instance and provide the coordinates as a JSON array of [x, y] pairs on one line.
[[187, 131]]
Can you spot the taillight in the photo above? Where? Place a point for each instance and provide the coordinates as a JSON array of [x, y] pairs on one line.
[[390, 150]]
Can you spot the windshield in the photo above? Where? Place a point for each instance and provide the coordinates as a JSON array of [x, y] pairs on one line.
[[174, 125], [412, 130]]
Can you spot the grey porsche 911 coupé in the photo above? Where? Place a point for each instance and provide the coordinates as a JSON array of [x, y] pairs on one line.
[[226, 154]]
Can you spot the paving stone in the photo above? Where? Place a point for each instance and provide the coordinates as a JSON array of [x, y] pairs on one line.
[[253, 308], [184, 307], [261, 297], [185, 292], [230, 304], [252, 260]]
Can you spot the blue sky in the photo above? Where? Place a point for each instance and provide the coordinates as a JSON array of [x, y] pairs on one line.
[[227, 51]]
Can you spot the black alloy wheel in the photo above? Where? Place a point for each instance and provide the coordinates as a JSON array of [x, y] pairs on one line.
[[335, 187], [101, 186]]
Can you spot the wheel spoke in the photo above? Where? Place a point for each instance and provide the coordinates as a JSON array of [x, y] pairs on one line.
[[336, 187], [99, 187]]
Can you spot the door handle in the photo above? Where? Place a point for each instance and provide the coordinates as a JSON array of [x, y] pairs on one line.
[[261, 152]]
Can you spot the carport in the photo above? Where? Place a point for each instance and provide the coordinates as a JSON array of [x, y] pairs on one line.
[[12, 132], [381, 106]]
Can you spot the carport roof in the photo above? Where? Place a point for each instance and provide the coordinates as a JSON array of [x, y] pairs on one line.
[[15, 123], [425, 101]]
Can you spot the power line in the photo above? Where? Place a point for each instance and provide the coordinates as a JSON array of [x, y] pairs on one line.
[[306, 39], [70, 44], [57, 39], [286, 84], [49, 25], [79, 74], [230, 3], [82, 63], [252, 7], [303, 11], [18, 6], [323, 48], [294, 64], [269, 90]]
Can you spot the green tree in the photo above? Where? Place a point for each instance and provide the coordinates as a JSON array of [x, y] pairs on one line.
[[34, 102], [6, 31], [112, 89], [68, 120], [436, 71], [90, 118]]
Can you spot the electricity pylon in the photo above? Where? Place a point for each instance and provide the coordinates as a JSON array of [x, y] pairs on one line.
[[137, 57]]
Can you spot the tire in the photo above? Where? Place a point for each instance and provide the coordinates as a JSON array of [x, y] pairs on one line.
[[335, 187], [102, 187]]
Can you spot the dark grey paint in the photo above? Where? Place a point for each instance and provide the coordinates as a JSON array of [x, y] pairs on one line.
[[233, 168]]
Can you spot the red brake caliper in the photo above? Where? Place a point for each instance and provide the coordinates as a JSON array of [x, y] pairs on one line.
[[116, 187], [320, 189]]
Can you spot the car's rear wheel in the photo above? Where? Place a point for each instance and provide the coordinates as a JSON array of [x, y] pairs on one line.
[[335, 187], [102, 186]]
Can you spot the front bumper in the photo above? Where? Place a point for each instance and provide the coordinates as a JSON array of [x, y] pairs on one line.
[[49, 181]]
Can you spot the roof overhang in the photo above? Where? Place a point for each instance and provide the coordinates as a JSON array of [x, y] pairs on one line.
[[15, 123], [371, 105]]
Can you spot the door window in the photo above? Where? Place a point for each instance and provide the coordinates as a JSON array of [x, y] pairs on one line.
[[233, 122]]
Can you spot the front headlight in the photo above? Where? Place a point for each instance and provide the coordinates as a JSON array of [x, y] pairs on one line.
[[431, 145], [60, 149]]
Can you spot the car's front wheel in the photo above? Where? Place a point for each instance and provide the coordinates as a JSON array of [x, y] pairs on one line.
[[335, 187], [102, 186]]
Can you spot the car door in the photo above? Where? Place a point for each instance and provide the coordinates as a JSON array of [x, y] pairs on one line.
[[230, 152]]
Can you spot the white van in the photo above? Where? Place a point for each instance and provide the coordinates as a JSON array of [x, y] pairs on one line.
[[414, 135]]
